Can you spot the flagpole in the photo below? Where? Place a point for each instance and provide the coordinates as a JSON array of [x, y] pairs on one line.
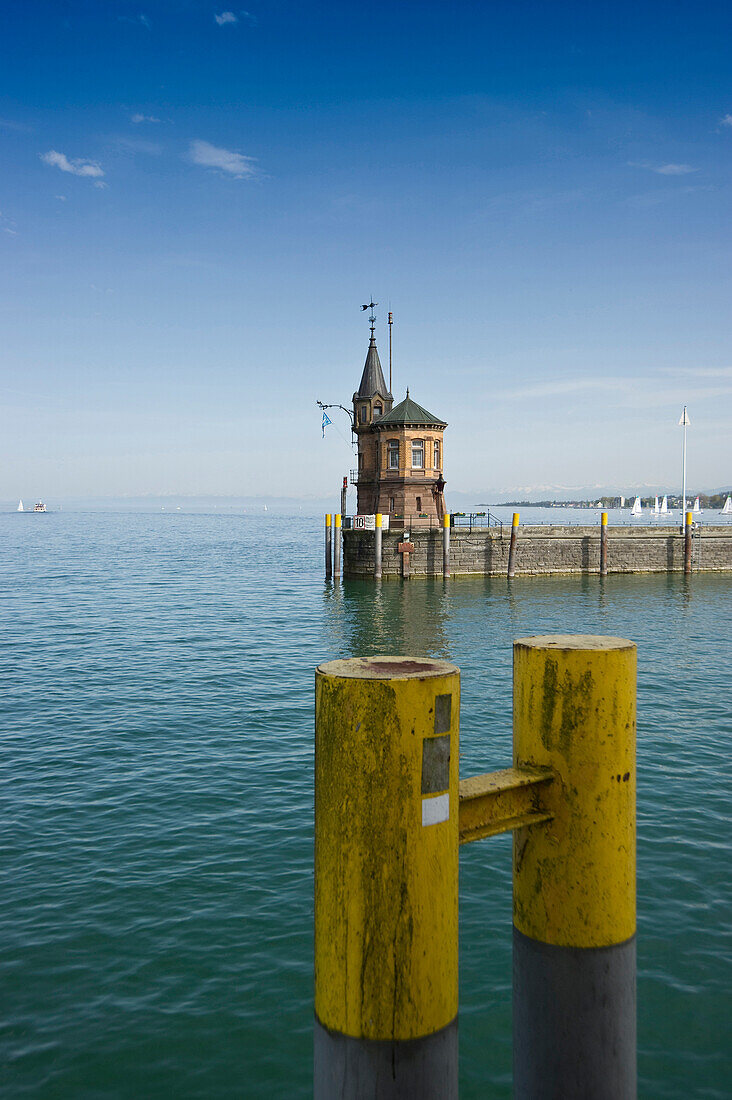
[[684, 421]]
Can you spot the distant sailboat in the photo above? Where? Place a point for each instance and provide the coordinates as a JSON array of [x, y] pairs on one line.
[[727, 510], [637, 509], [664, 506], [20, 506], [697, 505], [656, 509], [622, 502]]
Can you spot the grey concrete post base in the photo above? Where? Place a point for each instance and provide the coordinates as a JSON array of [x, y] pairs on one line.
[[574, 1021], [374, 1069]]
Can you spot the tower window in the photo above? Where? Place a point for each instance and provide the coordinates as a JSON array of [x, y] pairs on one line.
[[419, 504], [363, 412], [360, 460], [418, 454], [378, 409], [391, 504], [436, 463], [392, 455]]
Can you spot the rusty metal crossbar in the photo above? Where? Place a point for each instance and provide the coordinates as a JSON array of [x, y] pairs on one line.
[[498, 802]]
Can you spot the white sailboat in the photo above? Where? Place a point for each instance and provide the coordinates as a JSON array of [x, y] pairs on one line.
[[727, 510], [637, 509], [20, 506], [697, 506], [664, 506], [622, 502], [656, 508]]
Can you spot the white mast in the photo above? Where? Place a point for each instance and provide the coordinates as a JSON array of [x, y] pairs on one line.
[[684, 422]]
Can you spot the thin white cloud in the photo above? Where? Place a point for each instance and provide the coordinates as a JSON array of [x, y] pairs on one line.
[[631, 391], [726, 120], [138, 20], [674, 169], [226, 17], [137, 118], [77, 167], [225, 160], [663, 169]]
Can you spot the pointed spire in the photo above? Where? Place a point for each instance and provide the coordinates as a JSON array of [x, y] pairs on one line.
[[372, 379]]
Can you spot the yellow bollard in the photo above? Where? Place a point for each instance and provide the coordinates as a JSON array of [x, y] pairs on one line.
[[688, 526], [328, 548], [574, 877], [512, 544], [377, 546], [337, 544], [603, 544], [446, 545], [386, 878]]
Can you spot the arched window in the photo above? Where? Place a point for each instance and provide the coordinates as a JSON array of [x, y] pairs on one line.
[[418, 454], [392, 454], [363, 413]]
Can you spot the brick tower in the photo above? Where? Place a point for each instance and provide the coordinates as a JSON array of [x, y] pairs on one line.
[[400, 451]]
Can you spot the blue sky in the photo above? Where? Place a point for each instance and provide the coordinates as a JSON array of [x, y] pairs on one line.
[[196, 199]]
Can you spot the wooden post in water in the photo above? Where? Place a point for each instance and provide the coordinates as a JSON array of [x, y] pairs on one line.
[[446, 545], [574, 1002], [337, 544], [328, 548], [687, 542], [386, 879], [512, 545], [377, 546], [603, 545]]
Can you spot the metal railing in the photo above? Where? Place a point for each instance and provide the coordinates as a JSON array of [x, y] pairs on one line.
[[475, 519]]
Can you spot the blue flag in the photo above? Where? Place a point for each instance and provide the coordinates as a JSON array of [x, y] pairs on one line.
[[326, 422]]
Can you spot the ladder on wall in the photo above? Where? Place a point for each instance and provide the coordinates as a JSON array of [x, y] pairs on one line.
[[696, 546]]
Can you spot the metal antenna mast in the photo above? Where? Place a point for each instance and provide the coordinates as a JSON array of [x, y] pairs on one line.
[[391, 322]]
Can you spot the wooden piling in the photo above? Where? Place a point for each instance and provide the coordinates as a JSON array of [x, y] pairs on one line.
[[377, 546], [512, 545], [446, 545], [337, 544], [603, 545], [328, 548]]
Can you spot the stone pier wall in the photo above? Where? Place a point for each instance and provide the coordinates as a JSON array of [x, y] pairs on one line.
[[550, 549]]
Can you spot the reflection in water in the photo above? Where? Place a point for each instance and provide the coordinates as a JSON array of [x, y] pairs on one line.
[[395, 617]]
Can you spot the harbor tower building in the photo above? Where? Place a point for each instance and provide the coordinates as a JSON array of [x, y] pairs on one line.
[[400, 452]]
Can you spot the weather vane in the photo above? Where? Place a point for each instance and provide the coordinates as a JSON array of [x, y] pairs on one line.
[[372, 319]]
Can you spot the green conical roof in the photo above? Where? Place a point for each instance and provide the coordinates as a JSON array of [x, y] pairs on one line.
[[408, 412]]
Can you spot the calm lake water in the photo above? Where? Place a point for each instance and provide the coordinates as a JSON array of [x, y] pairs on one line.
[[157, 787]]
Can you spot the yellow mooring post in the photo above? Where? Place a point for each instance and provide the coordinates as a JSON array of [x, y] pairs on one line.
[[386, 879], [446, 545], [512, 544], [337, 544], [328, 554], [603, 545], [574, 1021], [377, 546], [688, 524]]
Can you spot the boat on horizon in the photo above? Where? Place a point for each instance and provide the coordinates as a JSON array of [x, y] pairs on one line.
[[637, 509], [40, 507], [656, 508], [664, 506], [727, 510], [20, 506], [697, 506]]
